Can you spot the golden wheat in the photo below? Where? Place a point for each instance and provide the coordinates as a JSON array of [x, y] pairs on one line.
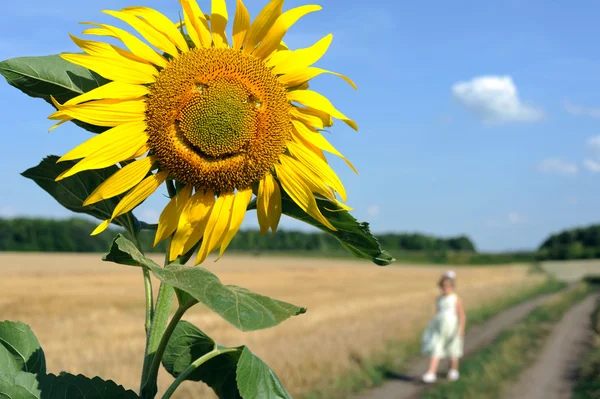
[[89, 315]]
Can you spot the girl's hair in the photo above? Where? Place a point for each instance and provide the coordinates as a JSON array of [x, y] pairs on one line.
[[450, 276], [446, 278]]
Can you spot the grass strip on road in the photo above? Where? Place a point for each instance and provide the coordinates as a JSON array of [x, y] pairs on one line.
[[588, 381]]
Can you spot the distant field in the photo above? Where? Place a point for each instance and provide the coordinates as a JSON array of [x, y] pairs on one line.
[[573, 270], [89, 314]]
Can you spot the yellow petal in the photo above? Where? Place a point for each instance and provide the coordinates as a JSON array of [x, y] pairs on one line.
[[315, 100], [318, 167], [284, 22], [262, 24], [101, 140], [300, 192], [137, 47], [216, 227], [302, 86], [310, 120], [186, 224], [169, 217], [139, 193], [241, 23], [201, 212], [300, 76], [109, 155], [326, 119], [126, 71], [302, 58], [218, 23], [310, 147], [113, 91], [105, 50], [302, 132], [103, 226], [277, 58], [196, 23], [149, 32], [268, 204], [143, 150], [121, 181], [160, 22], [102, 112], [238, 211]]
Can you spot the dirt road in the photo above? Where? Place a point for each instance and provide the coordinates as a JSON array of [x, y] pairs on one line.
[[551, 376], [408, 385]]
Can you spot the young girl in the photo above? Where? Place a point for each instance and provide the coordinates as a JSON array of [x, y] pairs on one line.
[[443, 337]]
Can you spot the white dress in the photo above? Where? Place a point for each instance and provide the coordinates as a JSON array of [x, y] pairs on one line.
[[441, 337]]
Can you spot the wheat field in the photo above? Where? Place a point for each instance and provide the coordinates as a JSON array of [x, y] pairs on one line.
[[89, 314]]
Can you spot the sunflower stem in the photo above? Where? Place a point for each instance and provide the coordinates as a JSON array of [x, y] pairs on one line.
[[147, 291], [160, 350], [164, 300], [193, 366]]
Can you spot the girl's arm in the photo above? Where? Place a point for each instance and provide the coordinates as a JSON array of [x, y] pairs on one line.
[[462, 317]]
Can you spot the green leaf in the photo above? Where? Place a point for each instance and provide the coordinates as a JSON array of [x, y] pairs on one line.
[[19, 385], [42, 77], [188, 343], [124, 252], [8, 364], [256, 380], [18, 339], [72, 191], [244, 309], [355, 236], [81, 387]]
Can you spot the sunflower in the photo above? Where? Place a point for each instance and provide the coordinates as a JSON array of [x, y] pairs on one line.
[[226, 118]]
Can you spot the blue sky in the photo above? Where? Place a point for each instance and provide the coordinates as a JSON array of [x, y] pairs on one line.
[[477, 118]]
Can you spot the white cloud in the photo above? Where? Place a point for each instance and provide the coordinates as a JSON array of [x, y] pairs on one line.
[[515, 218], [494, 99], [558, 166], [373, 210], [592, 162], [592, 166], [579, 110]]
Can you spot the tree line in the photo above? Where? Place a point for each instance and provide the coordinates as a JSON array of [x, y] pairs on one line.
[[73, 235], [577, 243]]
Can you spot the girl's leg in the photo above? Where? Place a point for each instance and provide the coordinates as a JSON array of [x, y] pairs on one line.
[[433, 364], [454, 363]]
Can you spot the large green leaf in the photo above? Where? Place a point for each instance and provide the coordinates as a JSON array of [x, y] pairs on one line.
[[18, 339], [81, 387], [72, 191], [124, 252], [50, 75], [355, 236], [8, 364], [24, 385], [244, 309], [256, 380], [19, 385], [188, 343]]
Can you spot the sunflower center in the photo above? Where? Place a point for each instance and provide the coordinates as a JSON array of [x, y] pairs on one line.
[[220, 119], [217, 118]]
